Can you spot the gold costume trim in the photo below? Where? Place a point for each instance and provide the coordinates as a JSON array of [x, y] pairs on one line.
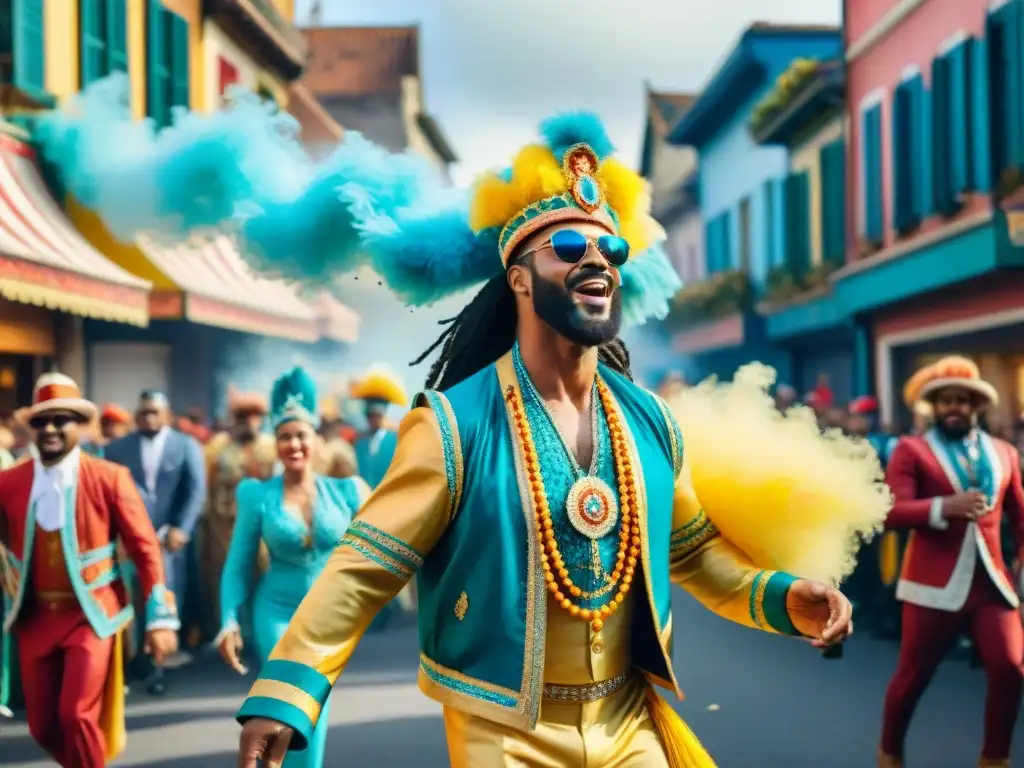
[[456, 446], [288, 693], [536, 594], [588, 693], [760, 585], [674, 435], [645, 548]]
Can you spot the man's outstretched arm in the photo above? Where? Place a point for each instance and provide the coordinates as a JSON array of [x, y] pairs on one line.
[[383, 548], [720, 576]]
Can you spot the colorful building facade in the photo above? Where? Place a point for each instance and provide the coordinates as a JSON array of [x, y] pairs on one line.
[[202, 301], [936, 150], [716, 325]]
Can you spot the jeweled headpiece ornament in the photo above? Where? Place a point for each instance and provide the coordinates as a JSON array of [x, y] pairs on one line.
[[294, 398]]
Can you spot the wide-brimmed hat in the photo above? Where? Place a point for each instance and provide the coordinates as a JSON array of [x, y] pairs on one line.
[[57, 392], [954, 371]]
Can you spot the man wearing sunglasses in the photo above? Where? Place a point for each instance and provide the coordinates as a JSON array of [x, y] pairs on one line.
[[538, 495], [61, 515]]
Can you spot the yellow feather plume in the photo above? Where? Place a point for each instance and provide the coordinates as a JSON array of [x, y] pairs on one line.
[[536, 175], [789, 497], [627, 192]]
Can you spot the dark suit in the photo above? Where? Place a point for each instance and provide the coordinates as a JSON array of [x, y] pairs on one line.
[[180, 492]]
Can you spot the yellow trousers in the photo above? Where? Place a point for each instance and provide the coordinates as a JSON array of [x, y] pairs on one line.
[[614, 732]]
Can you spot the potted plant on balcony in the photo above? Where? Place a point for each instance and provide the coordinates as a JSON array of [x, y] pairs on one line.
[[719, 295]]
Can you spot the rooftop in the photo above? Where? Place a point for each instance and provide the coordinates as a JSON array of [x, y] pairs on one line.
[[360, 61]]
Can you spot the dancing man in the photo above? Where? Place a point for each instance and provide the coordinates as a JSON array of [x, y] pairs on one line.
[[952, 486], [543, 499], [62, 515]]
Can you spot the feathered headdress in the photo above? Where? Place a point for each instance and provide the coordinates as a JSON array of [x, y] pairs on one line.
[[294, 398], [433, 249]]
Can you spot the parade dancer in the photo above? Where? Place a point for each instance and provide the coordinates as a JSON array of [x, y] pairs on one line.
[[301, 518], [379, 390], [952, 487], [62, 513], [543, 499]]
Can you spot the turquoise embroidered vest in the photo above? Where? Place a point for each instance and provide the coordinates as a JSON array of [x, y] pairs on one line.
[[482, 597]]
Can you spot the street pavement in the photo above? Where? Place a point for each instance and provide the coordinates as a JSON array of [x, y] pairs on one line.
[[756, 701]]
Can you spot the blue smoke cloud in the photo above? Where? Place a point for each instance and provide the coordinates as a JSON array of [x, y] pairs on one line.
[[240, 170]]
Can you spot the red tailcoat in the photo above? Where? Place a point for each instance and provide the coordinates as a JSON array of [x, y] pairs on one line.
[[939, 565], [107, 507]]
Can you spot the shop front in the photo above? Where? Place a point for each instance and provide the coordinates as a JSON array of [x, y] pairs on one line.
[[982, 319], [51, 279]]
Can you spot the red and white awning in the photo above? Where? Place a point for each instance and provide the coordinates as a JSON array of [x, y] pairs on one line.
[[216, 287], [45, 261]]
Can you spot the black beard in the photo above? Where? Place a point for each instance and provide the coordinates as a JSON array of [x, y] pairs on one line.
[[555, 306], [952, 432]]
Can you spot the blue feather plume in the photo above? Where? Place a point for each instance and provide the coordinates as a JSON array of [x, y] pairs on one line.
[[648, 284], [562, 131], [427, 252]]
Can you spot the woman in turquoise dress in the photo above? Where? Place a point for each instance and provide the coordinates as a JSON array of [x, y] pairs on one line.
[[300, 518]]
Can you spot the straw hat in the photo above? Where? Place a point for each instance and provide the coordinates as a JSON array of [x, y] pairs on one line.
[[954, 371], [57, 392]]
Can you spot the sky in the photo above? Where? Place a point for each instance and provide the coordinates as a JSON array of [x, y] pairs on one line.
[[493, 69]]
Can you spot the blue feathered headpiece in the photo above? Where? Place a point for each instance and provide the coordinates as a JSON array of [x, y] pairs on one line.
[[442, 245], [293, 398]]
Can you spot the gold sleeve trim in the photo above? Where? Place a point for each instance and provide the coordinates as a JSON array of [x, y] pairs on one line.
[[288, 693]]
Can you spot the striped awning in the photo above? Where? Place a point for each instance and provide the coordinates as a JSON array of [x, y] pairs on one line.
[[45, 261], [218, 288], [337, 321]]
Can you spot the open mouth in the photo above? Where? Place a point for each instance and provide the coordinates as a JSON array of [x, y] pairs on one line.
[[596, 291]]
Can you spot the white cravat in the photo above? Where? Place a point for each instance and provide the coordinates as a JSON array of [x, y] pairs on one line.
[[49, 489], [376, 440], [152, 452]]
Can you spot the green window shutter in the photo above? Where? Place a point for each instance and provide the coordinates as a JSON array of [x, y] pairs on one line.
[[980, 112], [921, 146], [942, 181], [158, 75], [727, 259], [872, 157], [29, 40], [1004, 73], [710, 231], [117, 34], [802, 224], [903, 206], [959, 136], [179, 64], [92, 35], [771, 252], [833, 201]]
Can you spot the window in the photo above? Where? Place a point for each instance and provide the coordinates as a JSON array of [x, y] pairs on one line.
[[951, 125], [871, 178], [27, 42], [1005, 66], [717, 243], [744, 254], [227, 76], [167, 63], [772, 253], [832, 161], [103, 32], [906, 108], [798, 224]]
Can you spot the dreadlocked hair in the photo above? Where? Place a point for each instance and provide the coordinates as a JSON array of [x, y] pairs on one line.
[[484, 331]]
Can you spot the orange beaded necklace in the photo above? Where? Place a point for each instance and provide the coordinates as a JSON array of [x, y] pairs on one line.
[[556, 575]]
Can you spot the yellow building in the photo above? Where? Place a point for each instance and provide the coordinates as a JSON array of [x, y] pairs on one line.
[[176, 53]]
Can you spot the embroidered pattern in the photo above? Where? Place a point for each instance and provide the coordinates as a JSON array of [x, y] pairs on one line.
[[689, 538], [466, 685], [461, 606], [675, 435], [452, 445], [381, 547], [757, 590]]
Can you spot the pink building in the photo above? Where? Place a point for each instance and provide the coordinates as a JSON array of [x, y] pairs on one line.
[[935, 139]]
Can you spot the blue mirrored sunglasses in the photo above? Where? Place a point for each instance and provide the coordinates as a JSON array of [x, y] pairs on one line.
[[571, 246]]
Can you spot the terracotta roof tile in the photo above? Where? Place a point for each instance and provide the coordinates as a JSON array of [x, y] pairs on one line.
[[356, 61]]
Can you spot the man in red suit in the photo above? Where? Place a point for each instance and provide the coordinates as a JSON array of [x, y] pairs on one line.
[[952, 486], [60, 516]]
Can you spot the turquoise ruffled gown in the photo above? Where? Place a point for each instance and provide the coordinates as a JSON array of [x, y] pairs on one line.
[[298, 554]]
